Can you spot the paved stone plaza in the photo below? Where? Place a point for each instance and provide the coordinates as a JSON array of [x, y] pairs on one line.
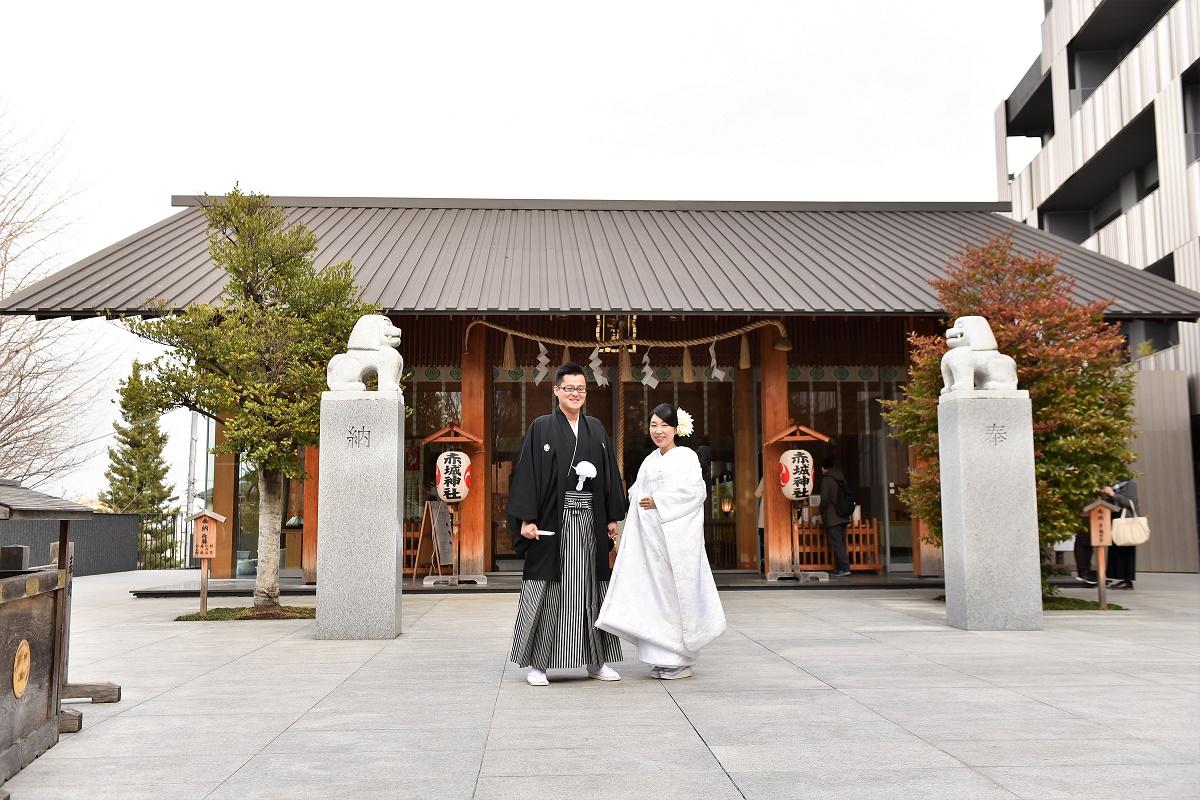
[[854, 694]]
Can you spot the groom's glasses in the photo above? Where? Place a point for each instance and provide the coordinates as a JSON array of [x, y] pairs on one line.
[[573, 389]]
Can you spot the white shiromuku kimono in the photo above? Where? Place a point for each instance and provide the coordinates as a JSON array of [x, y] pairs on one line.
[[662, 597]]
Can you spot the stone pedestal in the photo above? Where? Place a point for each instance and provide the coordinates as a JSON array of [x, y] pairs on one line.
[[360, 532], [989, 511]]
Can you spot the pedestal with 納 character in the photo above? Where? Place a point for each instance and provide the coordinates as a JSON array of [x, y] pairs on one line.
[[360, 508]]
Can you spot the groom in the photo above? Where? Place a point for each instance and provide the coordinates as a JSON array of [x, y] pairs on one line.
[[564, 502]]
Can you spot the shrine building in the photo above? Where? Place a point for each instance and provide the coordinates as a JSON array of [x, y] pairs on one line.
[[770, 322]]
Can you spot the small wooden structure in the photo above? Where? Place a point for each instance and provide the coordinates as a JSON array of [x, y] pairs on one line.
[[810, 553], [35, 628], [457, 435], [796, 433], [453, 434]]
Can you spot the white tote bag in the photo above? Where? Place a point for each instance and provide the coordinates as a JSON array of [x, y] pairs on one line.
[[1128, 531]]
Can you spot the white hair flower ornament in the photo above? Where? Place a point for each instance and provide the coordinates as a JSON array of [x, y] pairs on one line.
[[684, 428]]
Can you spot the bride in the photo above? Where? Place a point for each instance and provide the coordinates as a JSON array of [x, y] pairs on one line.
[[661, 596]]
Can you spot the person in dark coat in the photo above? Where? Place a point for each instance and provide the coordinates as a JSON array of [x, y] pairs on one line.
[[1083, 558], [1122, 561], [564, 502], [834, 523]]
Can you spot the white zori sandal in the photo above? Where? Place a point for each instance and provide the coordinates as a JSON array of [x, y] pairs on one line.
[[537, 677], [603, 673], [673, 673]]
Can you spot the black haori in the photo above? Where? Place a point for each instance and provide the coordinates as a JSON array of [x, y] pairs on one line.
[[556, 620]]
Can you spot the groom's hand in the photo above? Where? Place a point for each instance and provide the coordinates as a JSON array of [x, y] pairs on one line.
[[529, 530], [612, 530]]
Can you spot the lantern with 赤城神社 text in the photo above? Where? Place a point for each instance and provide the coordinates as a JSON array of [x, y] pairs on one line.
[[453, 476], [796, 474]]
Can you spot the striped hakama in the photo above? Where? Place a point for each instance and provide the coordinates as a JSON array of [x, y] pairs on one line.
[[555, 626]]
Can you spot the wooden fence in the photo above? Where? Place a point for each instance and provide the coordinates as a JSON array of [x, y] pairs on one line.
[[811, 549]]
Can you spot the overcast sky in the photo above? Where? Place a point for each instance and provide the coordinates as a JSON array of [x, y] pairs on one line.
[[754, 100]]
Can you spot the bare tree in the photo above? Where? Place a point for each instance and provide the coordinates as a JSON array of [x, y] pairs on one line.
[[46, 391]]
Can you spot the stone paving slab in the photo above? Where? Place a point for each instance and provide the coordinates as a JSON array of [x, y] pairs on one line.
[[856, 694]]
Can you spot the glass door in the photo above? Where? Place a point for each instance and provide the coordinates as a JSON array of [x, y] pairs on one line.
[[711, 405]]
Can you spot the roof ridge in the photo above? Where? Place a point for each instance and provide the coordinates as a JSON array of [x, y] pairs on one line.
[[184, 200]]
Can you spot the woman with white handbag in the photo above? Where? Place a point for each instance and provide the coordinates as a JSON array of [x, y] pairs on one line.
[[1122, 560]]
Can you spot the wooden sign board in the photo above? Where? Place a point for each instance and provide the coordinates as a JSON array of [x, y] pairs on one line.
[[1101, 527], [1099, 516], [443, 532], [204, 537]]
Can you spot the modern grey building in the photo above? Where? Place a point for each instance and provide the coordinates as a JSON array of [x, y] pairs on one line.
[[1114, 99]]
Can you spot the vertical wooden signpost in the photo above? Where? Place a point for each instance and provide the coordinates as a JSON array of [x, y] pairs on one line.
[[204, 547], [1099, 514]]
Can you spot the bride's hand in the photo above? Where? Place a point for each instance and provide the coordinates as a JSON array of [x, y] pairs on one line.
[[647, 502]]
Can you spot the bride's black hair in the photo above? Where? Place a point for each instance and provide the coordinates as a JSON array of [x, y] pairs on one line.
[[666, 412]]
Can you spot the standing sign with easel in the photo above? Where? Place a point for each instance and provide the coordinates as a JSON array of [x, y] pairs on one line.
[[453, 479], [435, 541], [1099, 514], [204, 547]]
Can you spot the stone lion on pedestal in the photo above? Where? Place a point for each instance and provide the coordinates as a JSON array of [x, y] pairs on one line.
[[371, 349], [973, 362]]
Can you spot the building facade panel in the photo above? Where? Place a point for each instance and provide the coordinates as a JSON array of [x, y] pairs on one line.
[[1120, 174], [1168, 498]]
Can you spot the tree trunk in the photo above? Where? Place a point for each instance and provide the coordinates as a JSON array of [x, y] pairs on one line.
[[270, 523]]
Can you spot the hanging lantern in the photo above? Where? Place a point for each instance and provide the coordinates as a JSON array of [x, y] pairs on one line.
[[796, 474], [453, 476]]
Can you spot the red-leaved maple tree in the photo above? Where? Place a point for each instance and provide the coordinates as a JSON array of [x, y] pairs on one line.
[[1070, 360]]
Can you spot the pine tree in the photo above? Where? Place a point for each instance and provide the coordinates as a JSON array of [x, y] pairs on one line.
[[137, 475], [1070, 360], [256, 360]]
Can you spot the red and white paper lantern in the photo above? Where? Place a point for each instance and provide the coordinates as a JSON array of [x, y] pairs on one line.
[[453, 476], [796, 474]]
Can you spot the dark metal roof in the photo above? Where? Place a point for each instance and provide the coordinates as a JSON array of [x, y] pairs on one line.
[[565, 256], [17, 502]]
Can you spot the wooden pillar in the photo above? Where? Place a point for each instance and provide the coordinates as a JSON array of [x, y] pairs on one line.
[[777, 520], [308, 546], [225, 488], [475, 513], [745, 468]]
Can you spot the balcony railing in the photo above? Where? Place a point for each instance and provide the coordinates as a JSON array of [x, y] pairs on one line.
[[1079, 95], [1168, 359], [1192, 141]]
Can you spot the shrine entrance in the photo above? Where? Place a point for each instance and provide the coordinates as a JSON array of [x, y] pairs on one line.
[[711, 405]]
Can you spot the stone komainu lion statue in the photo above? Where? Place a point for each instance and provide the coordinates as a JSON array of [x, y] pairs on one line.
[[973, 362], [372, 349]]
